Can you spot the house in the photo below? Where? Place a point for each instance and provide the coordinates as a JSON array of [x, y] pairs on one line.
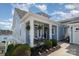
[[5, 35], [70, 27], [30, 28]]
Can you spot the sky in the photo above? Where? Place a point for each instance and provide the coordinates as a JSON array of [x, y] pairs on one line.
[[57, 11]]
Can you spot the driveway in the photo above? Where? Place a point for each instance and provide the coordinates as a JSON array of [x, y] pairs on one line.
[[66, 50]]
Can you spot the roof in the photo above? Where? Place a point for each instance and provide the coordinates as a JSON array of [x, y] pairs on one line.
[[20, 12], [43, 14], [71, 20]]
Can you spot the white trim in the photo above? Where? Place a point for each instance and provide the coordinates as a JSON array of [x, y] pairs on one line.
[[50, 31], [31, 33]]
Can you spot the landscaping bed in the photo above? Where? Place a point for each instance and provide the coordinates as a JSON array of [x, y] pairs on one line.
[[48, 47], [42, 51], [45, 49]]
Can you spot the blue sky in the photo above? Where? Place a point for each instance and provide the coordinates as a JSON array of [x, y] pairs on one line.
[[57, 11]]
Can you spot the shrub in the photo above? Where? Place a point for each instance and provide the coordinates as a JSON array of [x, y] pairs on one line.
[[54, 42], [10, 48], [35, 50], [17, 45], [48, 43], [22, 50]]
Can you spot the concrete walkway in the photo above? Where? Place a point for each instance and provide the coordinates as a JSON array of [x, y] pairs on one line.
[[66, 50]]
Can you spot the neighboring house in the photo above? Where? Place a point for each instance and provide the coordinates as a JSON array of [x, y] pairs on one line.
[[29, 27], [70, 27], [5, 35]]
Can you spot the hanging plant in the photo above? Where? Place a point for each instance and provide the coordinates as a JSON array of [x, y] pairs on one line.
[[28, 27]]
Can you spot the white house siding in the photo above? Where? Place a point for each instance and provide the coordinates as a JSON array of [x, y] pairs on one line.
[[23, 32], [16, 29], [20, 27], [30, 18]]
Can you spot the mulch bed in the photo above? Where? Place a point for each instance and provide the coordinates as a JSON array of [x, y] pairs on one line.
[[50, 51], [43, 52]]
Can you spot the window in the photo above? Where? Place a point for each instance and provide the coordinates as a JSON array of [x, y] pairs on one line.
[[36, 30], [53, 30]]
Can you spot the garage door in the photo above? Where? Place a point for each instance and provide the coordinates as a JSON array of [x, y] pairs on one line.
[[76, 34]]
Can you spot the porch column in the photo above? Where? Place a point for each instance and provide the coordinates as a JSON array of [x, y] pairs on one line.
[[32, 33], [57, 33], [50, 31]]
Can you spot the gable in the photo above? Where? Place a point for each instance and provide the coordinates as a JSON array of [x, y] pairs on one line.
[[21, 13]]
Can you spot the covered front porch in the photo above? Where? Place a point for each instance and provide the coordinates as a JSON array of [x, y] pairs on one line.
[[37, 32]]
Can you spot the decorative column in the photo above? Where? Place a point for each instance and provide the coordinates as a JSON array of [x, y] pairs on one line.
[[32, 33], [50, 31], [57, 33]]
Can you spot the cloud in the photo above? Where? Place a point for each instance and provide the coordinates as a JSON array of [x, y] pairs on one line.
[[73, 9], [60, 15], [42, 7], [58, 12], [70, 6], [28, 6], [22, 6], [70, 11], [6, 24], [75, 13]]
